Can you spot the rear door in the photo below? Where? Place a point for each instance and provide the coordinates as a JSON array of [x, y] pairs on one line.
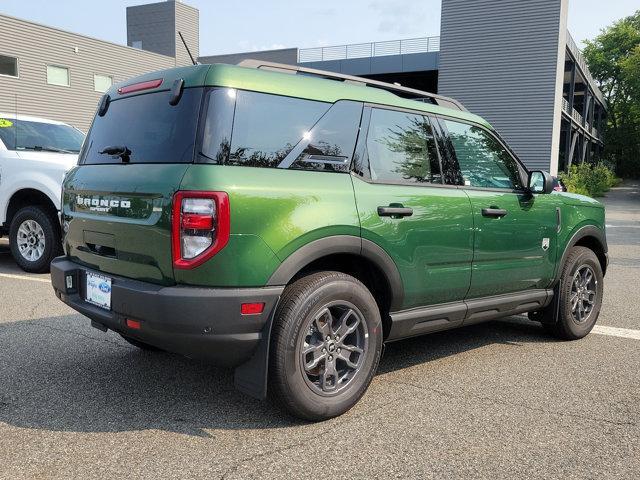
[[425, 226], [117, 209], [514, 232]]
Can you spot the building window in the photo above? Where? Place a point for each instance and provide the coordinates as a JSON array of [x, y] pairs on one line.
[[137, 44], [8, 66], [102, 83], [57, 75]]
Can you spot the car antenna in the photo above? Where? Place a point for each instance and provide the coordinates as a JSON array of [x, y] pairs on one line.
[[187, 47]]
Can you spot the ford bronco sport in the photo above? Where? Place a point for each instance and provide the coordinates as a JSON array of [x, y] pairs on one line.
[[287, 222]]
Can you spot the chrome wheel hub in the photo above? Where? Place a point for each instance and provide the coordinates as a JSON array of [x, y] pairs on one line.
[[30, 240]]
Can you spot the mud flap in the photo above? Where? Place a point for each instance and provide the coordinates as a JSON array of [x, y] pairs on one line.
[[250, 378], [550, 314]]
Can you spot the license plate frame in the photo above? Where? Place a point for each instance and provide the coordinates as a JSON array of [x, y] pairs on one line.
[[98, 290]]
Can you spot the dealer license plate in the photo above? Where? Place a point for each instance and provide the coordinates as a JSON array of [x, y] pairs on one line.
[[99, 290]]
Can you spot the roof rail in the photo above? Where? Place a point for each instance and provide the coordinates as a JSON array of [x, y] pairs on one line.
[[393, 88]]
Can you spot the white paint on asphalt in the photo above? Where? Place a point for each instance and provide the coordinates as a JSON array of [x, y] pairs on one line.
[[25, 277], [616, 332], [598, 329]]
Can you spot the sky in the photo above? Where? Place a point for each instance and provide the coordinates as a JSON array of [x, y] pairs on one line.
[[247, 25]]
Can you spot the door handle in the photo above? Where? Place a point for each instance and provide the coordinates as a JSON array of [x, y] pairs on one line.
[[494, 212], [395, 212]]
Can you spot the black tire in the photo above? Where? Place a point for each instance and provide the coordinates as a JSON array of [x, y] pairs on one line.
[[141, 345], [50, 235], [298, 320], [567, 326]]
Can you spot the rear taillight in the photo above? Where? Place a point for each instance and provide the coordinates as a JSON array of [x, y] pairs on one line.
[[200, 226]]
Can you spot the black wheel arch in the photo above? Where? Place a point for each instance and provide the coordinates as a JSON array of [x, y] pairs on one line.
[[342, 245], [591, 237], [28, 197]]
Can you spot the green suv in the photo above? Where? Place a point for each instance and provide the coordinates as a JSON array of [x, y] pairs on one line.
[[288, 222]]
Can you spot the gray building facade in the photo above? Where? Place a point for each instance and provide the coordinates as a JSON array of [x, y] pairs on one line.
[[155, 27], [510, 61], [283, 55], [514, 79], [52, 73]]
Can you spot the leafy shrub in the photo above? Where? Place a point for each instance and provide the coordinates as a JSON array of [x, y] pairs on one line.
[[591, 180]]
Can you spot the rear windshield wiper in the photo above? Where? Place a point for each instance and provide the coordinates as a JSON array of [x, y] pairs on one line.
[[117, 151], [39, 148]]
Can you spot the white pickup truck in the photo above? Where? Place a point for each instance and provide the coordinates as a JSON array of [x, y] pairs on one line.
[[35, 154]]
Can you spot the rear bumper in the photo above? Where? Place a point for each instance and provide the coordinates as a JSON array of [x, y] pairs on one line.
[[193, 321]]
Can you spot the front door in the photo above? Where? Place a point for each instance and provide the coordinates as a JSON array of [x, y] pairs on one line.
[[404, 207], [514, 231]]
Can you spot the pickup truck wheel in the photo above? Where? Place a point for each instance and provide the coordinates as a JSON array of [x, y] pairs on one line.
[[34, 239], [325, 345], [580, 289]]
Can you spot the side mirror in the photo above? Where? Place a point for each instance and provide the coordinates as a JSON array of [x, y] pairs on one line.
[[540, 182]]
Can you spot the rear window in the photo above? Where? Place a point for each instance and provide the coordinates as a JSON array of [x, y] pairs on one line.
[[38, 136], [152, 130]]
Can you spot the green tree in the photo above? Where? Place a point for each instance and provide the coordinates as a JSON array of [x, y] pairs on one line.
[[614, 61]]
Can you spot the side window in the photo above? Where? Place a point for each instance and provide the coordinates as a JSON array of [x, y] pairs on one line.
[[216, 134], [401, 148], [267, 127], [450, 170], [483, 161], [261, 130], [329, 145]]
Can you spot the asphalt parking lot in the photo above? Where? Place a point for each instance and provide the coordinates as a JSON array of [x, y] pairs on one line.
[[499, 400]]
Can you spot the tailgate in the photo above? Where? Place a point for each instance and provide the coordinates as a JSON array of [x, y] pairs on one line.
[[118, 218]]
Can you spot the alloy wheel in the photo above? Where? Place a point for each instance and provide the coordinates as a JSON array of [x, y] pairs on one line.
[[333, 349], [584, 288]]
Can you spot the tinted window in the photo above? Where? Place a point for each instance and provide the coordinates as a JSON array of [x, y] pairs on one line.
[[216, 136], [267, 127], [8, 66], [482, 159], [330, 143], [450, 170], [153, 130], [24, 135], [401, 148]]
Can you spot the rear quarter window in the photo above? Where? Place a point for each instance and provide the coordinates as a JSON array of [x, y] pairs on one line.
[[254, 129]]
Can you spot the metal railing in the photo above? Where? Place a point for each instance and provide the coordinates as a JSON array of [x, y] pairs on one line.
[[582, 63], [596, 133], [577, 117], [373, 49]]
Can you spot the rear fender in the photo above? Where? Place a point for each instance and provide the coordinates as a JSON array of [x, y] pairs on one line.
[[251, 377]]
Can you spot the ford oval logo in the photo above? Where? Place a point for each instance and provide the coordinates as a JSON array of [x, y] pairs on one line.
[[104, 287]]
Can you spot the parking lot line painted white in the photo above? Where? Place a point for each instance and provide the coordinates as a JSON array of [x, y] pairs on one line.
[[24, 277], [616, 332]]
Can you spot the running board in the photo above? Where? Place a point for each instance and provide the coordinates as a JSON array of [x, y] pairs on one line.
[[434, 318]]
